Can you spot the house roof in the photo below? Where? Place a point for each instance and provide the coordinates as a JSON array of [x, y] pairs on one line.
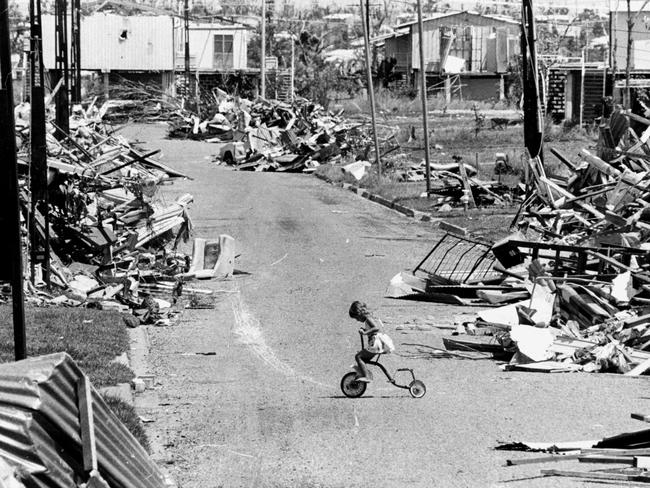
[[100, 5], [217, 26], [437, 15], [390, 35], [441, 15], [378, 40]]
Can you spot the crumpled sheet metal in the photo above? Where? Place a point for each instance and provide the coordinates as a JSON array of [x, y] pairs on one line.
[[46, 387], [27, 446]]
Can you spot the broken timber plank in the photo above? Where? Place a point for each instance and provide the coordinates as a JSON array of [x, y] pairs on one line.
[[601, 165], [639, 369], [87, 424], [640, 416], [589, 208], [616, 452], [592, 475], [564, 160], [606, 459], [543, 459], [637, 118], [466, 185], [616, 264]]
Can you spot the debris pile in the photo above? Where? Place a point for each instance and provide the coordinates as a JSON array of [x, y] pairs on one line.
[[456, 184], [269, 135], [630, 450], [135, 101], [113, 238], [570, 289]]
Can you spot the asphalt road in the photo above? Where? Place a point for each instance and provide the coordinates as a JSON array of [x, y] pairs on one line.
[[247, 394]]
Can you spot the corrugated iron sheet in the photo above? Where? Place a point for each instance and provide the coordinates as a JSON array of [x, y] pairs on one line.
[[7, 476], [45, 387], [28, 446]]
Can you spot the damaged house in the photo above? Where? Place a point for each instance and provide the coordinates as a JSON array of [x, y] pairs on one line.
[[136, 47], [149, 49], [466, 54]]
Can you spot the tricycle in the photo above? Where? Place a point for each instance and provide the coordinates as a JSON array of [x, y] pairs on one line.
[[353, 388]]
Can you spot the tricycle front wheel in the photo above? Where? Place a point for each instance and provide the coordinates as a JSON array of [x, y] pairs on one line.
[[417, 389], [351, 387]]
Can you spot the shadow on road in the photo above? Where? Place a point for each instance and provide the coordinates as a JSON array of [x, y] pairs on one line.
[[368, 397]]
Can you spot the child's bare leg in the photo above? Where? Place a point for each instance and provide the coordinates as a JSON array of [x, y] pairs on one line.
[[361, 363]]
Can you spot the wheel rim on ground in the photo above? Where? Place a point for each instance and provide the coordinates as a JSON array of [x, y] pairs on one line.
[[352, 388], [417, 389]]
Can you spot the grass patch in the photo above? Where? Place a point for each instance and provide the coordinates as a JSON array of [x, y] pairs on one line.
[[127, 415], [394, 103], [456, 135], [92, 337]]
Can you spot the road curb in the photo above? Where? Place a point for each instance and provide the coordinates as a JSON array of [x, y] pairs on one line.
[[392, 204], [418, 214], [138, 351]]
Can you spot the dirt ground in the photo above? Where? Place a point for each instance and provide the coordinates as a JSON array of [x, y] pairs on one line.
[[247, 394]]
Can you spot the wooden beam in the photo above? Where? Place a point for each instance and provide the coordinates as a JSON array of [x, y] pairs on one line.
[[606, 459], [592, 475], [639, 369], [637, 118], [543, 459], [640, 416], [619, 265], [87, 424], [589, 208]]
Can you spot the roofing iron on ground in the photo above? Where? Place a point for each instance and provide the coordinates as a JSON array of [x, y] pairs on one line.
[[40, 429]]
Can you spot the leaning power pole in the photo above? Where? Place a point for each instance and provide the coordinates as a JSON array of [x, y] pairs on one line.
[[186, 24], [263, 53], [533, 120], [423, 91], [75, 65], [371, 91], [40, 247], [631, 20], [11, 267], [61, 71]]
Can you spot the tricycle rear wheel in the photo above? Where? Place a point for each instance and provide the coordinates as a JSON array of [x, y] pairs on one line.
[[417, 389], [351, 387]]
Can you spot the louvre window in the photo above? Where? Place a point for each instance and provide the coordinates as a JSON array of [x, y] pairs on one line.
[[223, 51]]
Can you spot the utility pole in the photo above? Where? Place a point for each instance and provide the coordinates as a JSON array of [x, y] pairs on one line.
[[263, 55], [61, 50], [11, 268], [582, 86], [76, 51], [533, 120], [631, 20], [371, 91], [40, 248], [367, 17], [293, 67], [423, 94], [630, 25], [186, 20]]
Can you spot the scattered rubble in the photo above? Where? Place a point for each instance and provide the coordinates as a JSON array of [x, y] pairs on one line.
[[269, 135], [113, 239], [570, 289], [630, 450]]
